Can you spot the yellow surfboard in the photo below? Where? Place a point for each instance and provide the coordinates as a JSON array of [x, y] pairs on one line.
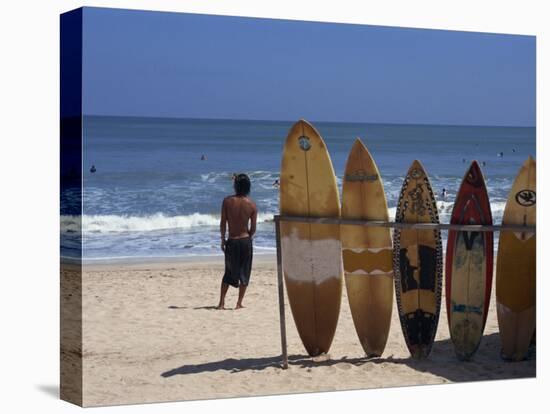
[[311, 253], [516, 267], [367, 251]]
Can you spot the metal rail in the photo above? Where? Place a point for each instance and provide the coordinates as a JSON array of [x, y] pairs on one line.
[[416, 226]]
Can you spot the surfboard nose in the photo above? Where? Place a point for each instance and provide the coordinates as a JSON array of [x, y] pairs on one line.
[[358, 149], [416, 170], [417, 164], [304, 123], [474, 175], [358, 143], [304, 135]]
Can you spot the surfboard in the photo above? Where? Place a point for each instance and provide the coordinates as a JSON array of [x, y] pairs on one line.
[[417, 256], [311, 253], [516, 267], [469, 265], [367, 251]]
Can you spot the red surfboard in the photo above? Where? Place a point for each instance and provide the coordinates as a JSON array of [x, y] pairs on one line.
[[469, 265]]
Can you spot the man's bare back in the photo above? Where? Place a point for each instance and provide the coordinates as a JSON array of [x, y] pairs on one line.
[[237, 211]]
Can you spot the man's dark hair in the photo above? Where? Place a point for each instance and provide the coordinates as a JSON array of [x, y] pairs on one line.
[[242, 185]]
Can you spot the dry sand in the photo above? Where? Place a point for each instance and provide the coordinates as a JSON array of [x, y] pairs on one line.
[[151, 333]]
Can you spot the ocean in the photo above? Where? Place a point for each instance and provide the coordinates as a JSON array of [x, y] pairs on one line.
[[152, 196]]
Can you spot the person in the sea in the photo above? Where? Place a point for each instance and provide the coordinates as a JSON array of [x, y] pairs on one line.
[[93, 169], [239, 213], [276, 184]]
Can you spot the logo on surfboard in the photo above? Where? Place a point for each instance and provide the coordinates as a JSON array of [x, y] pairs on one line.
[[526, 198], [303, 141], [416, 173], [361, 175]]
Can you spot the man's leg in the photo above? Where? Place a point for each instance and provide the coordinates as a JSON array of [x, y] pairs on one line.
[[242, 289], [223, 291], [246, 267]]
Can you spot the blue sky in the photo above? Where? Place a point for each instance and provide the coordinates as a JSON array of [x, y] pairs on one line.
[[142, 63]]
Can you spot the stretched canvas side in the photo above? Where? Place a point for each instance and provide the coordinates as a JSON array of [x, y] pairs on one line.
[[71, 386]]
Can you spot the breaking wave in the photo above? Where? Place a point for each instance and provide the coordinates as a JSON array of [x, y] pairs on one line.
[[154, 222]]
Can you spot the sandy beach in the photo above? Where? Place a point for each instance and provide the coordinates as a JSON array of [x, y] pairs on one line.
[[151, 333]]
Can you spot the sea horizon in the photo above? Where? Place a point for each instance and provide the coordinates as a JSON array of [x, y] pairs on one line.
[[312, 121]]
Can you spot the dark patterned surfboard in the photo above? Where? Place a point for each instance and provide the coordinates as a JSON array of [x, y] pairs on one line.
[[417, 262]]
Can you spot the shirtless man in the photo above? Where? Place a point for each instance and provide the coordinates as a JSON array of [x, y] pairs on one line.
[[237, 211]]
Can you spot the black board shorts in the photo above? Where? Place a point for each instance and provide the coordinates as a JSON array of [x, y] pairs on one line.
[[238, 261]]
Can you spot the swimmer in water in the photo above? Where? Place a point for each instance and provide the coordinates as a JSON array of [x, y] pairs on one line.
[[203, 157], [276, 183], [444, 198], [483, 163], [93, 170]]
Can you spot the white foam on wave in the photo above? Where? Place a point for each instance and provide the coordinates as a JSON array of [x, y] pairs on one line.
[[117, 224], [71, 224], [445, 209], [224, 176]]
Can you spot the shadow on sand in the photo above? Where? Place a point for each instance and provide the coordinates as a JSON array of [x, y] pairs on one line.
[[232, 365], [486, 364], [194, 308]]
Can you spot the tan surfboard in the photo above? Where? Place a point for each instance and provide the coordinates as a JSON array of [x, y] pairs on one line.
[[311, 253], [367, 251], [516, 267]]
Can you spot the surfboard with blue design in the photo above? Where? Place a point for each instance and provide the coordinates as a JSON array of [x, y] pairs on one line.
[[469, 265]]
